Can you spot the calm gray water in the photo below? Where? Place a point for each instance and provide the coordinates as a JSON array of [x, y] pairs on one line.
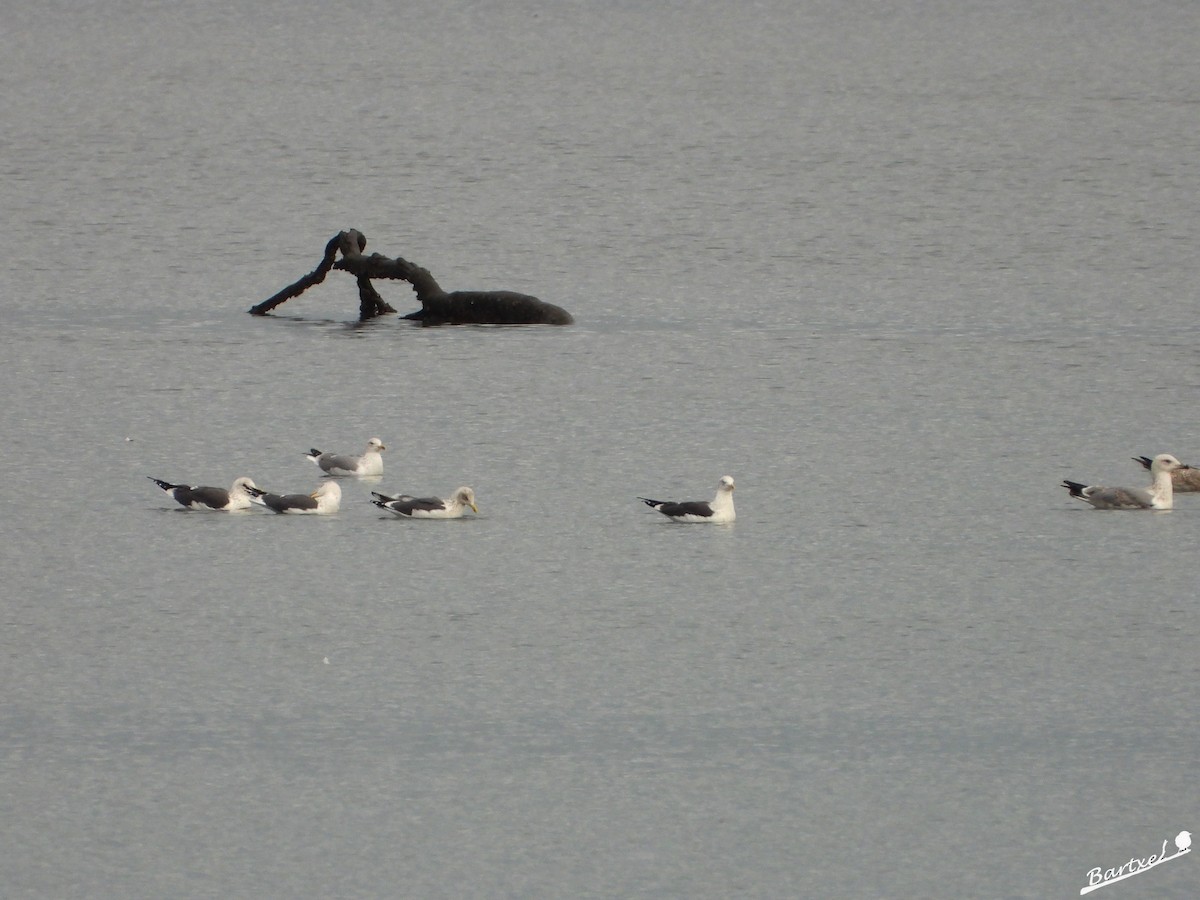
[[898, 268]]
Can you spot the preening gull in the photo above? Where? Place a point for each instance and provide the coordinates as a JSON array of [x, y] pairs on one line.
[[1185, 480], [717, 511], [1158, 496], [370, 463], [237, 497], [428, 507], [324, 501]]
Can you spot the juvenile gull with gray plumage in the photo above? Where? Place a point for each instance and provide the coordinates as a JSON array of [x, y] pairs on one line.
[[369, 463], [324, 501], [214, 498], [428, 507], [717, 511], [1159, 495]]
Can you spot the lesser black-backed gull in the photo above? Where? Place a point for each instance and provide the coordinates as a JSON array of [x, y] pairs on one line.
[[428, 507], [1159, 495], [237, 497], [370, 463], [1184, 481], [324, 501], [717, 511]]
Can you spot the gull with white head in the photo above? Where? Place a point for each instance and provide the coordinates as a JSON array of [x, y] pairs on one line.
[[213, 498], [718, 511], [410, 507], [369, 463], [324, 501], [1160, 494]]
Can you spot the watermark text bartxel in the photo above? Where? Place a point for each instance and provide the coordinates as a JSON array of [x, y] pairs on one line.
[[1098, 877]]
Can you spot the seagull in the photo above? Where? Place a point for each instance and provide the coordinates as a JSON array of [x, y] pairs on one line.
[[428, 507], [717, 511], [370, 463], [1185, 480], [1157, 496], [237, 497], [324, 501], [1183, 840]]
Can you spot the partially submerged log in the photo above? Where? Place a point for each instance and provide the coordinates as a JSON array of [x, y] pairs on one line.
[[438, 307]]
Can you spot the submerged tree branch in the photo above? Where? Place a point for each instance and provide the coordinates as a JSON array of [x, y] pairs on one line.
[[437, 306]]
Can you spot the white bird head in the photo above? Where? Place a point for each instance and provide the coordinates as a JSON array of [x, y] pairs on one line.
[[1165, 462], [466, 497]]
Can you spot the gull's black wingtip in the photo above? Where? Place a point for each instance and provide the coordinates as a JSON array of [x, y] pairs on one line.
[[1074, 487]]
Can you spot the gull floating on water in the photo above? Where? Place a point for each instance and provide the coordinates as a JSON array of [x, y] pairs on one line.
[[1158, 496], [370, 463], [717, 511], [324, 501], [1185, 480], [428, 507], [237, 497]]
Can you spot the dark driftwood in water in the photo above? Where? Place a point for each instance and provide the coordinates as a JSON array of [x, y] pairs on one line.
[[351, 244], [438, 307]]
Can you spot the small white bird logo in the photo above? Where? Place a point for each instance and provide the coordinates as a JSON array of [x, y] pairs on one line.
[[1183, 840]]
